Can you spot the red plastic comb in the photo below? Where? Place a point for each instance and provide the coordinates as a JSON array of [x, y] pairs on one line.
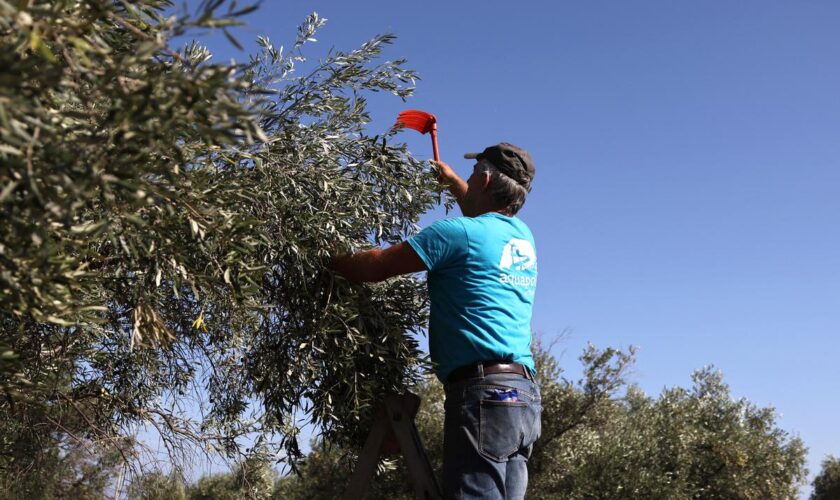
[[422, 122]]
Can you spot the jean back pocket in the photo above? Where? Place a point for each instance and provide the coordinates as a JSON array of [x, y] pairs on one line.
[[502, 428]]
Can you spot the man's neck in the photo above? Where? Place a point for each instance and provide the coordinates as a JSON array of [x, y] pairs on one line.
[[504, 212]]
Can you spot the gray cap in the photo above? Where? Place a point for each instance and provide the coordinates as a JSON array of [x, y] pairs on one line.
[[510, 160]]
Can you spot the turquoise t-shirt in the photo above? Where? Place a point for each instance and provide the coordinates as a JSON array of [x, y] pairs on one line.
[[482, 278]]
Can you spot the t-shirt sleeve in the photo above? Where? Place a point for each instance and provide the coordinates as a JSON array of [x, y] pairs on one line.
[[442, 244]]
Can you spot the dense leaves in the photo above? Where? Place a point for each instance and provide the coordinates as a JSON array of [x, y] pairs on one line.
[[827, 482], [686, 443], [166, 223], [74, 470]]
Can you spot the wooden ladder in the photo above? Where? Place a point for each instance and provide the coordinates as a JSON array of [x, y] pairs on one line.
[[397, 415]]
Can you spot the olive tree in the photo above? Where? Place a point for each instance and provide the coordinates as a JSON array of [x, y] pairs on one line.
[[167, 221], [827, 482], [685, 443]]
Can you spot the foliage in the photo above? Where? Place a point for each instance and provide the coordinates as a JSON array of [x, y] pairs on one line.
[[568, 404], [827, 483], [327, 460], [166, 225], [74, 470], [157, 486], [599, 443], [697, 443], [251, 478]]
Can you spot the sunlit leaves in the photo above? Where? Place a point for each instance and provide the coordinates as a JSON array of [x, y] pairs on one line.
[[167, 221]]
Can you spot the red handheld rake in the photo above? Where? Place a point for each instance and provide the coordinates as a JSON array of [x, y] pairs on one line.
[[422, 122]]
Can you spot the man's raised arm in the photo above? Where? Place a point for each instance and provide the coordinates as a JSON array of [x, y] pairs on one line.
[[449, 179]]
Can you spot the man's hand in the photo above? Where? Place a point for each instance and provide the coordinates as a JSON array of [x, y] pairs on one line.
[[377, 264], [446, 175], [450, 180]]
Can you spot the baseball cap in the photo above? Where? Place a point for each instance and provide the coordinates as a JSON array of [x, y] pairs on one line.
[[510, 160]]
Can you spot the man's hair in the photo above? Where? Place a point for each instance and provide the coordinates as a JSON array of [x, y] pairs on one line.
[[506, 192]]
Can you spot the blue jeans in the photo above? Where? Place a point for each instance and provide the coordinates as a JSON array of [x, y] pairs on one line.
[[487, 442]]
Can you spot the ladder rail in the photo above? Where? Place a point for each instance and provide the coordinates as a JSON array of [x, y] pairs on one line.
[[397, 414]]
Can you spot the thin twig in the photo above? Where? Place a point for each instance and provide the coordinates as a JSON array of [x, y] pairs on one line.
[[67, 431], [137, 31], [30, 169], [96, 427]]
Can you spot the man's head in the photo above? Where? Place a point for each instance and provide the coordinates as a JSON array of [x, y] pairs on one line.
[[501, 179]]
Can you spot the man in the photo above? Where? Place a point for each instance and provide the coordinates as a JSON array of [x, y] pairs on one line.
[[482, 273]]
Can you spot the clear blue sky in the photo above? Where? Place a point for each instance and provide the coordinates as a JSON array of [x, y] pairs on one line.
[[688, 168]]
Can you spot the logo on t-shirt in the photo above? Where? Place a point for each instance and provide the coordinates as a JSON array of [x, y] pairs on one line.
[[518, 255]]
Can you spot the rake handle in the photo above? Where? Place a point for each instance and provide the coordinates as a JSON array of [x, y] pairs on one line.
[[434, 142]]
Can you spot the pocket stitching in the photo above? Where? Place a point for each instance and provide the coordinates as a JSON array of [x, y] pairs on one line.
[[481, 426]]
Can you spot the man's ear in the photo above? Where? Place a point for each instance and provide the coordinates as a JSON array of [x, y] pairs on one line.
[[485, 180]]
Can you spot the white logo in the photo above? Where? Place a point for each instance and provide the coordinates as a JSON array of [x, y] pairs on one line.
[[518, 255]]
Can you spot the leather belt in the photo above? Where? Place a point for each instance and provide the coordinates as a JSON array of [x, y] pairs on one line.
[[477, 370]]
